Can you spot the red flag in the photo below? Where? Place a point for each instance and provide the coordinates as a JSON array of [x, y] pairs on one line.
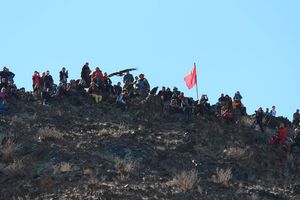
[[191, 78]]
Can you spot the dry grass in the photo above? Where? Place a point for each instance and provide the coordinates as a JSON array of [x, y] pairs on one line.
[[122, 165], [17, 167], [185, 181], [235, 152], [49, 132], [8, 150], [62, 167], [222, 176]]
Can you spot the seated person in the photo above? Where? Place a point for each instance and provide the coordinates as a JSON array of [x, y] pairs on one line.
[[95, 92]]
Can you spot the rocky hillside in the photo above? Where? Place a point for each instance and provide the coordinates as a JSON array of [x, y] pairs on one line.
[[75, 149]]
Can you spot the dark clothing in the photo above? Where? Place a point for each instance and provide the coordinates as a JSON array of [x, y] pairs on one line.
[[296, 119], [48, 82], [117, 90], [259, 116], [85, 74], [6, 75], [128, 77], [63, 76], [296, 142]]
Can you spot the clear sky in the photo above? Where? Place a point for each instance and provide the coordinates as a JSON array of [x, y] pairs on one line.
[[250, 46]]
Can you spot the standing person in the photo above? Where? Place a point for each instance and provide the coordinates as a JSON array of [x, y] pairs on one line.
[[128, 77], [296, 140], [143, 85], [296, 118], [48, 81], [85, 74], [97, 77], [6, 76], [273, 111], [36, 79], [186, 107], [63, 75], [259, 116], [237, 96]]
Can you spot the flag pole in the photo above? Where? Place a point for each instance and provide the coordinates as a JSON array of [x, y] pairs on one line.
[[196, 84]]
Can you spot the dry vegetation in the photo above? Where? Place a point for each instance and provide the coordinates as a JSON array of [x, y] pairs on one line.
[[185, 181], [62, 167], [235, 152], [122, 165], [17, 168], [222, 176], [49, 132]]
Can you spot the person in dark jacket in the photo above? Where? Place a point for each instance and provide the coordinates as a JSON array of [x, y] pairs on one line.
[[48, 81], [128, 77], [6, 76], [296, 118], [118, 89], [63, 75], [85, 74], [296, 140], [259, 116]]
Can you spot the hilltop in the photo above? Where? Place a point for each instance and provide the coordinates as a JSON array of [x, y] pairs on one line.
[[76, 149]]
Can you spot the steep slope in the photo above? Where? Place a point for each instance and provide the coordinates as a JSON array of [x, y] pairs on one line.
[[75, 149]]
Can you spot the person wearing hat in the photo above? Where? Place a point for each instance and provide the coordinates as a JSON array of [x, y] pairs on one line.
[[296, 140]]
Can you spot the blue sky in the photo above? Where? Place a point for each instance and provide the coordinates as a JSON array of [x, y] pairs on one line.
[[250, 46]]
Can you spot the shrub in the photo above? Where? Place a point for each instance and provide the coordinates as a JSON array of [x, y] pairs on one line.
[[222, 176], [185, 180]]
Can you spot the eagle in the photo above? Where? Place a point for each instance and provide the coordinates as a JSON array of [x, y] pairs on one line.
[[122, 72]]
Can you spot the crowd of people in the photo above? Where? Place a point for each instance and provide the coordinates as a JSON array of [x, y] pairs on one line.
[[99, 87]]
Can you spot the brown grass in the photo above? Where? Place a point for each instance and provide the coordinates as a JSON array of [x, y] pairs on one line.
[[49, 132], [17, 168], [235, 152], [222, 176], [62, 167], [185, 181], [122, 165]]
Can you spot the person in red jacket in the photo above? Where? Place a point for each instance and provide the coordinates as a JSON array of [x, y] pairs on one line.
[[281, 136], [97, 77], [36, 78]]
